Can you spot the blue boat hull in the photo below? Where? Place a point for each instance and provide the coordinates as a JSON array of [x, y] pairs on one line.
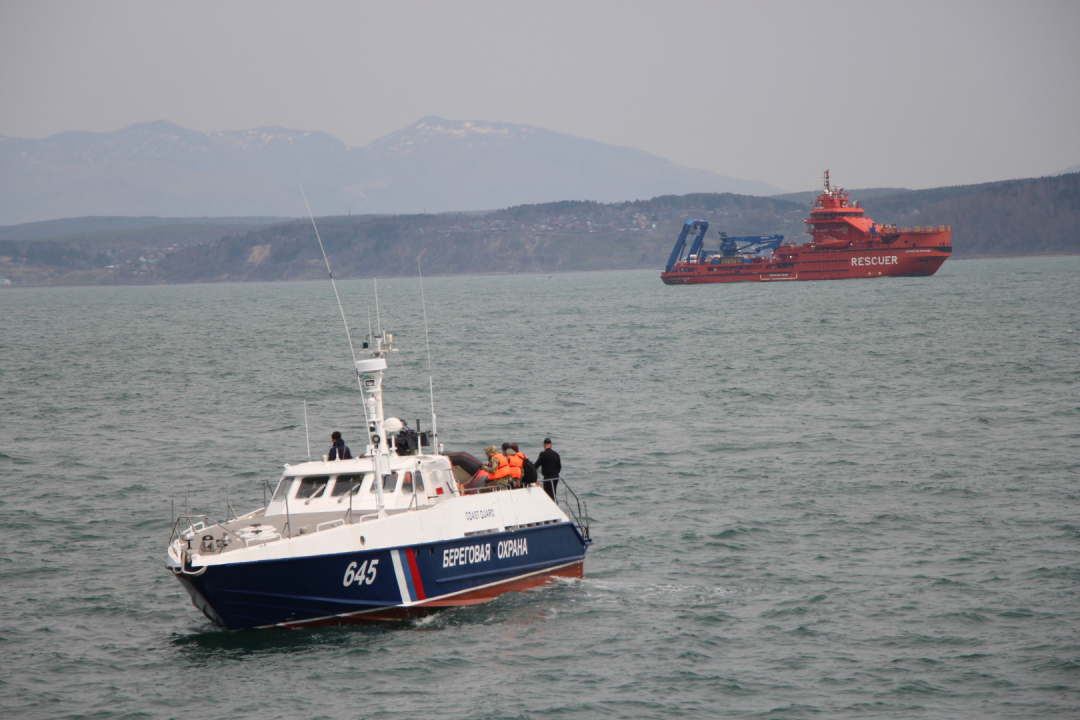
[[386, 584]]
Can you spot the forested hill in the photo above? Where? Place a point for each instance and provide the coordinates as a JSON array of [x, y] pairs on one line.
[[550, 237], [1016, 217], [1019, 217]]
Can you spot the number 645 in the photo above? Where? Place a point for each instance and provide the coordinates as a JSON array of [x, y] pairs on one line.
[[364, 575]]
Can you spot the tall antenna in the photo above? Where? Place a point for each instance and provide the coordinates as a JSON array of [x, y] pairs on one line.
[[423, 301], [427, 342], [359, 382], [327, 261], [378, 322], [307, 435]]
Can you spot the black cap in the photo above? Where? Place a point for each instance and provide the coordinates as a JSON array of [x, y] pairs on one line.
[[335, 435], [506, 446], [547, 441]]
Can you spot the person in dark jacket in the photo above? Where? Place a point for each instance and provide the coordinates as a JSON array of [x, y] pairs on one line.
[[339, 450], [549, 465]]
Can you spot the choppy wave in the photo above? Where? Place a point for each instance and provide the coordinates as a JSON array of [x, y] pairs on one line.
[[811, 500]]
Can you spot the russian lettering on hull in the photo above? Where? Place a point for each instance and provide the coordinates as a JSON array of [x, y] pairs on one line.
[[299, 590]]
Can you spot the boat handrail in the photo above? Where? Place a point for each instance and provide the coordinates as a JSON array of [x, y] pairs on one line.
[[579, 511], [893, 229], [484, 488], [253, 513], [329, 523], [175, 534], [205, 522]]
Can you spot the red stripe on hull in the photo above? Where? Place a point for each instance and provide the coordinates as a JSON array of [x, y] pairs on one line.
[[469, 597], [418, 585]]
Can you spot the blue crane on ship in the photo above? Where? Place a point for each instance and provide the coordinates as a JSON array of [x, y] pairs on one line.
[[730, 247]]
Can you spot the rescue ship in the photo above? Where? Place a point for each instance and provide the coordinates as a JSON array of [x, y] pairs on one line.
[[845, 245]]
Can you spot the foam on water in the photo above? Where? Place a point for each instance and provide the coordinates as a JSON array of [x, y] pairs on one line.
[[833, 499]]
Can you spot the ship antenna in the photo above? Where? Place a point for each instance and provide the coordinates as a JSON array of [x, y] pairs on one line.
[[378, 322], [327, 261], [359, 383], [827, 188], [427, 342], [307, 435]]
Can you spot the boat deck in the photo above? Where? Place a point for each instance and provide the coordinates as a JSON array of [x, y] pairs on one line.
[[207, 536]]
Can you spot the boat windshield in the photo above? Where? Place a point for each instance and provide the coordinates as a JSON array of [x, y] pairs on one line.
[[312, 487], [347, 484], [283, 488], [389, 483]]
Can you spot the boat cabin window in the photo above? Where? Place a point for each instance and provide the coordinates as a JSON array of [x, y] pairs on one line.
[[312, 487], [389, 482], [347, 484], [406, 483], [283, 488], [418, 481]]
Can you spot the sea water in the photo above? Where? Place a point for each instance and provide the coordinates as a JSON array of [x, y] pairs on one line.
[[814, 499]]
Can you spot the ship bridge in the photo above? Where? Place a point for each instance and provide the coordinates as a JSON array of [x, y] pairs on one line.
[[835, 219]]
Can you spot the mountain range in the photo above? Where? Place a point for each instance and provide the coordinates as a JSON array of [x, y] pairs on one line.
[[435, 165]]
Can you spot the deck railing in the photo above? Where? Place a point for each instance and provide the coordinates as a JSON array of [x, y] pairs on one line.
[[575, 508], [205, 522], [894, 230], [567, 500], [484, 489]]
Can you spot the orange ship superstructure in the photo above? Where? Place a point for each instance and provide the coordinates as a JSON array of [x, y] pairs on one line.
[[845, 244]]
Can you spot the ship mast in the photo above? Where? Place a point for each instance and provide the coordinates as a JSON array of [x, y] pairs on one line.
[[370, 372]]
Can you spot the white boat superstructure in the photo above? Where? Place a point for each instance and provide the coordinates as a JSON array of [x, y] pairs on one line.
[[381, 536]]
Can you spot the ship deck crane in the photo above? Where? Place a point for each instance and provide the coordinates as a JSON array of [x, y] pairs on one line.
[[699, 226], [729, 246]]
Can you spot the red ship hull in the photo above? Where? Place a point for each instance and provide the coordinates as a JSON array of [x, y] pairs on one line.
[[810, 263], [846, 245]]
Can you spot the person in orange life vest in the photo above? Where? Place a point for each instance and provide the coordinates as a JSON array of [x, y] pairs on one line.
[[516, 460], [498, 467], [524, 459]]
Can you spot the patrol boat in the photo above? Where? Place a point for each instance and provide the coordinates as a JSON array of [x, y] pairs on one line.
[[391, 534]]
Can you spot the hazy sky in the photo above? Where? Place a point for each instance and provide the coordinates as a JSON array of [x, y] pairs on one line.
[[907, 94]]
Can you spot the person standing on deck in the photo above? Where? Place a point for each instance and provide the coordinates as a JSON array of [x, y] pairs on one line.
[[550, 465], [521, 459], [516, 460], [498, 467], [338, 450]]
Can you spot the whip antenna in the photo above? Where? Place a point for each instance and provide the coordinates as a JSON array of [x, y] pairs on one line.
[[327, 261], [359, 382], [423, 301], [307, 434], [427, 342], [378, 322]]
